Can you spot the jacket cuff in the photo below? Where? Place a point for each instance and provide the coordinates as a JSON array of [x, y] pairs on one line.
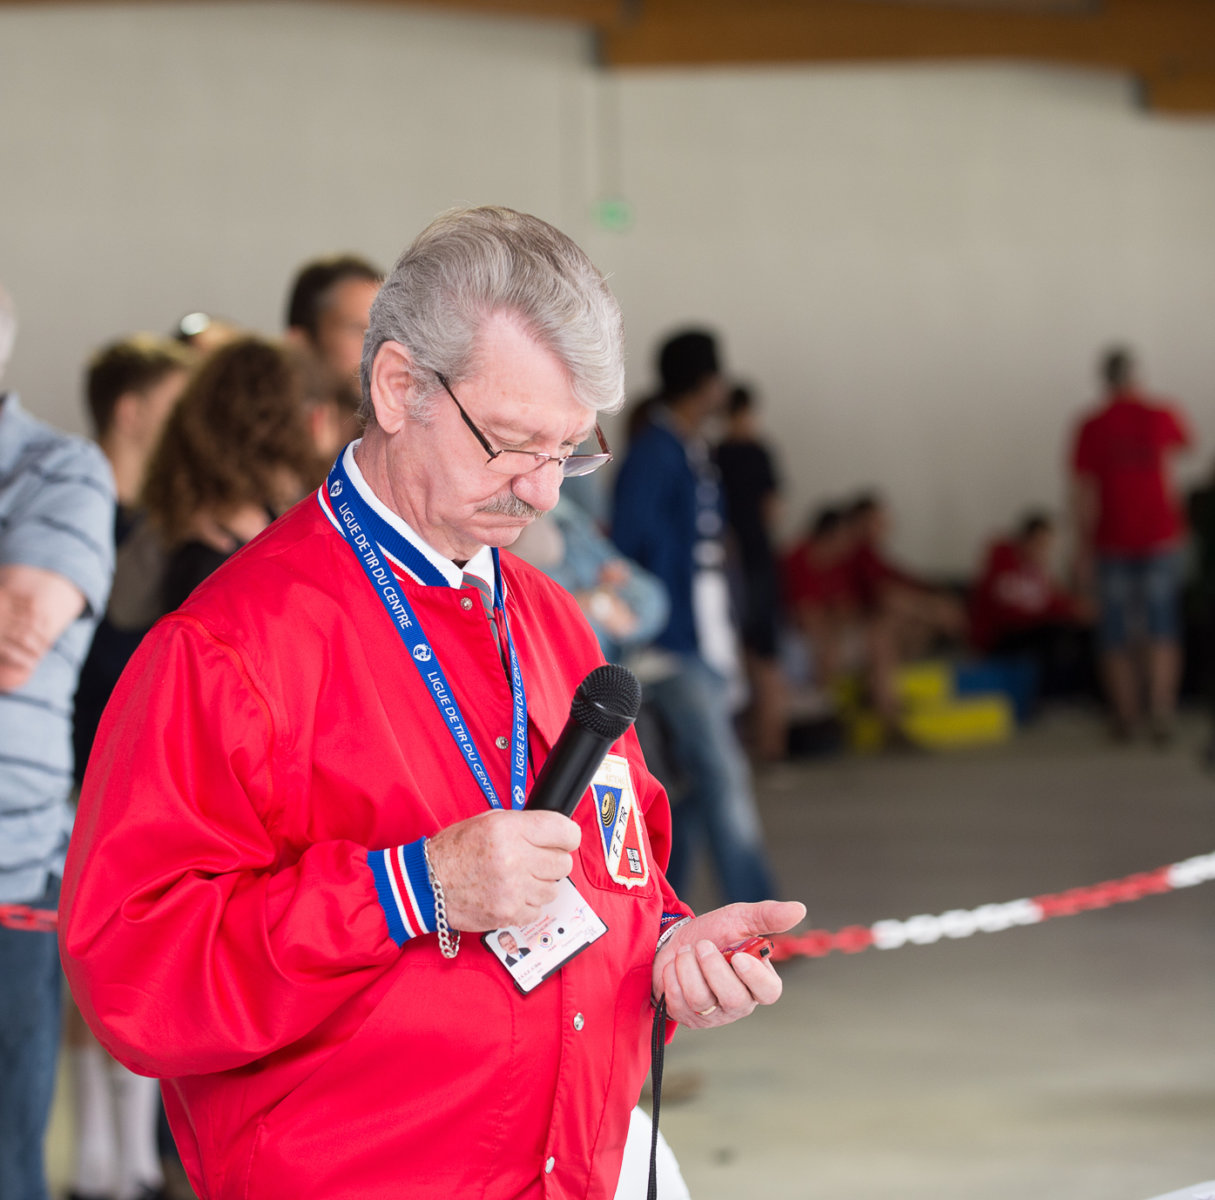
[[402, 885]]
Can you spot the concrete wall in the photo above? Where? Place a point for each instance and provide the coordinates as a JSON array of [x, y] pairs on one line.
[[916, 265]]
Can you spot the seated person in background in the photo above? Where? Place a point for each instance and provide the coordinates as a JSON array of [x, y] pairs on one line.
[[235, 453], [818, 592], [919, 613], [845, 633], [1019, 610]]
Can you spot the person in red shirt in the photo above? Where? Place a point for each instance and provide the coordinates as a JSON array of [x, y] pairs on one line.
[[1018, 609], [1129, 528], [311, 782], [844, 624], [1016, 592], [917, 611], [817, 592]]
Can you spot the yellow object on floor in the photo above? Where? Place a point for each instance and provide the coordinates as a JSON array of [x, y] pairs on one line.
[[929, 682], [932, 716], [963, 721]]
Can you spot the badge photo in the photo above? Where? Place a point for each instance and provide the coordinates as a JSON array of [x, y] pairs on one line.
[[532, 953]]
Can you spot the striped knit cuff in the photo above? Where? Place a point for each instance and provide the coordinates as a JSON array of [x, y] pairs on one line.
[[402, 884]]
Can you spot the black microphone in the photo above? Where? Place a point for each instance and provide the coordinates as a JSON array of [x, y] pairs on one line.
[[605, 704]]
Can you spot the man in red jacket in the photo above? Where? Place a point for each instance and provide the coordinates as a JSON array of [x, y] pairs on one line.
[[1130, 526], [310, 784]]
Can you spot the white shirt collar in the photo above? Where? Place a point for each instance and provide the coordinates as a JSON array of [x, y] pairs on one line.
[[481, 564]]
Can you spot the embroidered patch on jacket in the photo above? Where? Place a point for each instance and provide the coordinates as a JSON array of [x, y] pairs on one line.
[[619, 821]]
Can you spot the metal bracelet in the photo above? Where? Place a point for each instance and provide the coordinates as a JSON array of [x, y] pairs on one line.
[[449, 945], [666, 933]]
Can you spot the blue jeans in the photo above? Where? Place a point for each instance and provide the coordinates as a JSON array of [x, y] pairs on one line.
[[716, 804], [29, 1046], [1138, 595]]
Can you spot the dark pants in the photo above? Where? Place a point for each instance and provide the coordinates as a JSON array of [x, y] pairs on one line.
[[1062, 655], [29, 1047]]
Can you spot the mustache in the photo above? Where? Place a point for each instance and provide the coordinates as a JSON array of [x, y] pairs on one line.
[[509, 505]]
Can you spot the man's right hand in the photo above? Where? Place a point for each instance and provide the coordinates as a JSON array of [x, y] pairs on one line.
[[502, 867]]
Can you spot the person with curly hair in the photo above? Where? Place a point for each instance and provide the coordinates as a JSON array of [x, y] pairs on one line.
[[236, 452]]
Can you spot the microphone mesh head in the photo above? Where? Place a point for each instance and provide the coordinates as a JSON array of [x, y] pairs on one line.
[[607, 701]]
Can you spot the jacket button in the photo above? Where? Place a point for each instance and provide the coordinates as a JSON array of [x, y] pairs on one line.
[[465, 603], [501, 743], [578, 1022], [548, 1166]]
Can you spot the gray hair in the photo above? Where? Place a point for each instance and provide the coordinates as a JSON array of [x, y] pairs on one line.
[[471, 263], [8, 329]]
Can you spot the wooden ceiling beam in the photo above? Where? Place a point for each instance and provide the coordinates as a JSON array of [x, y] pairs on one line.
[[600, 14], [1145, 36], [1168, 44], [1183, 95]]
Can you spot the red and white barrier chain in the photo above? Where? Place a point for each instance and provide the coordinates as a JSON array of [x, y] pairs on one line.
[[32, 920], [925, 929], [922, 930]]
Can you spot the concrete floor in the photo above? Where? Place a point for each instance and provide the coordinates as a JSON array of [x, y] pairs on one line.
[[1074, 1060]]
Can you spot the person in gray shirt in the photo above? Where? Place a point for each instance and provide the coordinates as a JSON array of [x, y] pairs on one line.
[[56, 563]]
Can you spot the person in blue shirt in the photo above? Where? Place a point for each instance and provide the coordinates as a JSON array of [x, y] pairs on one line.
[[668, 516]]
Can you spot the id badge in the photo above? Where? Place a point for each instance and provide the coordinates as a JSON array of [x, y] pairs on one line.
[[531, 953]]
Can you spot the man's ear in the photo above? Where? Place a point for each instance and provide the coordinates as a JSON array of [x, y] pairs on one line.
[[297, 335], [392, 386]]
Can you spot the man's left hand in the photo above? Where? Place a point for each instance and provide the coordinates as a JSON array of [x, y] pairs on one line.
[[702, 989]]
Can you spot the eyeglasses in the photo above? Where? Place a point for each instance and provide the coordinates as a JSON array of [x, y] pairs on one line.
[[508, 462]]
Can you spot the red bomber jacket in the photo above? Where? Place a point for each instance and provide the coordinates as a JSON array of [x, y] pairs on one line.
[[221, 928]]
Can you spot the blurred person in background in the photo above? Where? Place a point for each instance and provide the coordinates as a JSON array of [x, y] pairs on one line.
[[212, 477], [751, 485], [1129, 529], [236, 452], [919, 614], [818, 596], [668, 517], [1200, 509], [131, 387], [625, 605], [848, 633], [56, 561], [328, 310], [1019, 610]]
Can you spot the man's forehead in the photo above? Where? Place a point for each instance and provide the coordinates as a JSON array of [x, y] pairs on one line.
[[519, 381]]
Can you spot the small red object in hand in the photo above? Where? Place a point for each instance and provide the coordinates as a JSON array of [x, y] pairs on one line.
[[757, 947]]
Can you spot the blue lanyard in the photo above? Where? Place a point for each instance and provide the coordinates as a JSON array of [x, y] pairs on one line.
[[372, 538]]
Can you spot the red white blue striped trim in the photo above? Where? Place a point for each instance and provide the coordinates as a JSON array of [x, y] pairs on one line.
[[402, 884]]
